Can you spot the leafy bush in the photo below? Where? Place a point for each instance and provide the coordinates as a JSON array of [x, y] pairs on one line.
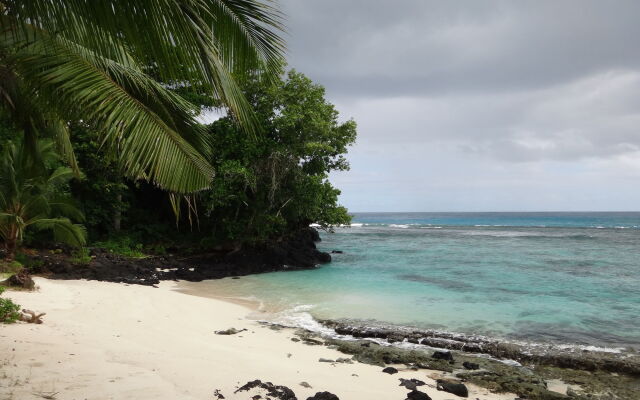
[[10, 267], [157, 249], [9, 311], [81, 256], [23, 260], [122, 245]]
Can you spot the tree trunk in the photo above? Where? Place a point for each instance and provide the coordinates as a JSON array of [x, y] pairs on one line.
[[10, 245], [117, 215]]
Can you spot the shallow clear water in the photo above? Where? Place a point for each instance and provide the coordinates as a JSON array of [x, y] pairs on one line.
[[569, 278]]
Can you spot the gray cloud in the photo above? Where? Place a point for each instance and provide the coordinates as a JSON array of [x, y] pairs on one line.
[[480, 105], [418, 47]]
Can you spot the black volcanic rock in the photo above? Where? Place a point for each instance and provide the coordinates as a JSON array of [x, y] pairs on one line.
[[323, 396], [443, 355], [417, 395], [411, 384], [268, 388], [470, 365], [390, 370], [297, 251], [458, 389]]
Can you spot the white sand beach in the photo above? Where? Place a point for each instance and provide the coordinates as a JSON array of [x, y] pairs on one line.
[[113, 341]]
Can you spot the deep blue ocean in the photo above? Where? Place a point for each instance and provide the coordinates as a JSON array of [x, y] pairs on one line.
[[565, 278]]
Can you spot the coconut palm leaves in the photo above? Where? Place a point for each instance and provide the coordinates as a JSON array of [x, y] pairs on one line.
[[100, 61], [29, 199]]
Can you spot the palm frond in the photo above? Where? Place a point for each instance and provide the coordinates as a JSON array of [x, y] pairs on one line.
[[65, 207], [130, 109], [197, 41], [250, 27], [63, 230], [62, 138]]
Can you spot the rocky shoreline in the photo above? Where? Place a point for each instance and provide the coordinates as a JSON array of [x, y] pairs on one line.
[[590, 376], [524, 353], [297, 251]]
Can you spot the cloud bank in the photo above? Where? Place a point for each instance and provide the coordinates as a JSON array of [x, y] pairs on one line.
[[471, 106]]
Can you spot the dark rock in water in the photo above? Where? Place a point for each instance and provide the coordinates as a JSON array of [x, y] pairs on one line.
[[390, 370], [411, 384], [323, 396], [458, 389], [470, 365], [337, 251], [272, 391], [395, 338], [417, 395], [443, 355]]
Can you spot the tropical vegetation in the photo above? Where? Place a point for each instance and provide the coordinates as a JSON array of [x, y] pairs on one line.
[[100, 107], [110, 64], [30, 197], [9, 311]]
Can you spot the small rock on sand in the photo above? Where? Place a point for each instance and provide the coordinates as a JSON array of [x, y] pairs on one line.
[[323, 396], [458, 389], [390, 370], [230, 331], [417, 395], [411, 384]]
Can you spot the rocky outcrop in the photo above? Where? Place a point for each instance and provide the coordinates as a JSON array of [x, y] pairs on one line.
[[298, 251]]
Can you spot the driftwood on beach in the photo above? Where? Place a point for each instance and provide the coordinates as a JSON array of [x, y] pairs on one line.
[[31, 317]]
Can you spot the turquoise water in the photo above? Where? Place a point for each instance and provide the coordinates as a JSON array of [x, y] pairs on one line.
[[571, 278]]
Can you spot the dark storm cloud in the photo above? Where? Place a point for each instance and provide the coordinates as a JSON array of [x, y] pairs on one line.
[[480, 104]]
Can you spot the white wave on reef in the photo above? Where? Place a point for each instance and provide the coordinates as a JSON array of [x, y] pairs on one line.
[[403, 226], [297, 317]]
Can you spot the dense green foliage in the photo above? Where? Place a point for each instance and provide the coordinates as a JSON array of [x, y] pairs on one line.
[[99, 107], [111, 65], [32, 196], [278, 181], [9, 311], [266, 184]]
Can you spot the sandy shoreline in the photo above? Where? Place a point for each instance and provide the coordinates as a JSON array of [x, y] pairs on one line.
[[112, 341]]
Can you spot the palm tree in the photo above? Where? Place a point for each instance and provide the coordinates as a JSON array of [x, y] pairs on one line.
[[111, 63], [29, 197]]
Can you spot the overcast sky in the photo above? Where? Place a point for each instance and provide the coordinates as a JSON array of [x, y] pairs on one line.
[[479, 105]]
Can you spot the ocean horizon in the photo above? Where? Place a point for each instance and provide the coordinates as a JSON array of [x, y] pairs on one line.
[[562, 278]]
